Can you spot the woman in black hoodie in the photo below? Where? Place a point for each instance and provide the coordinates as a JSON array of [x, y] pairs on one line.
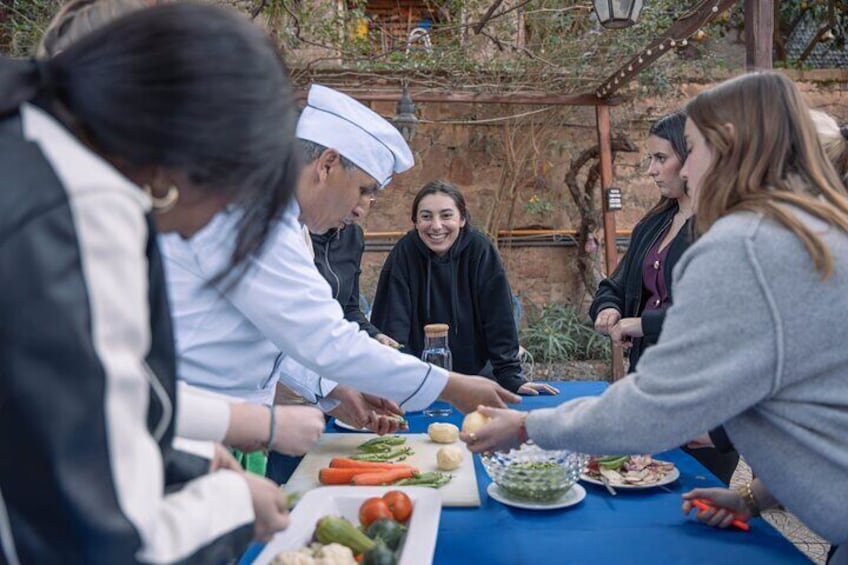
[[445, 271]]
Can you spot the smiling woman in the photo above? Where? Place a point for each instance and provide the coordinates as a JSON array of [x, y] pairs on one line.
[[445, 271]]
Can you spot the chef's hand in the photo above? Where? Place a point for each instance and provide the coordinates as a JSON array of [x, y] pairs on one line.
[[535, 389], [467, 392], [297, 428], [386, 340], [723, 502], [625, 330], [502, 433], [606, 319], [365, 410], [386, 415], [270, 505]]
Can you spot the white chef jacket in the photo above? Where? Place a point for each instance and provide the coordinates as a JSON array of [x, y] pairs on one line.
[[281, 312]]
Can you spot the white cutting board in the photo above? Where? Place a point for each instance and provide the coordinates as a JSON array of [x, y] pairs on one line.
[[460, 491]]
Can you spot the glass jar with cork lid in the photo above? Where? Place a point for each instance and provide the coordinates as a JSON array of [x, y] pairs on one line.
[[437, 352]]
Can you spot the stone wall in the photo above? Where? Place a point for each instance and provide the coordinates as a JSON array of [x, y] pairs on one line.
[[474, 157]]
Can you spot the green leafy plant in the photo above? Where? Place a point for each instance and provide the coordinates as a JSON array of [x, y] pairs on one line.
[[560, 333], [538, 205]]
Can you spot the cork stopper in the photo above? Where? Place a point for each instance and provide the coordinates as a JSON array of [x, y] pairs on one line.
[[436, 330]]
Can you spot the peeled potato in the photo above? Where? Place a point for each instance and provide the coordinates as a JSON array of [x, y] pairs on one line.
[[449, 457], [443, 432], [473, 422]]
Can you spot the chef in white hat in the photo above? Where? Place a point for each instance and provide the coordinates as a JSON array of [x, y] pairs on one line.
[[233, 339]]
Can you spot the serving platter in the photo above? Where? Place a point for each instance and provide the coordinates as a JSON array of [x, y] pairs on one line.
[[420, 544], [667, 479]]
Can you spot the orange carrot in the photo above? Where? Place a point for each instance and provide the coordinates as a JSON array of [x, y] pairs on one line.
[[382, 477], [336, 476], [346, 463]]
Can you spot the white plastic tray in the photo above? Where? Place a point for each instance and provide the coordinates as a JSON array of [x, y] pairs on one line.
[[420, 543]]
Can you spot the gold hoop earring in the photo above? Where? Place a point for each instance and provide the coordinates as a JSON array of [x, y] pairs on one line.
[[164, 203]]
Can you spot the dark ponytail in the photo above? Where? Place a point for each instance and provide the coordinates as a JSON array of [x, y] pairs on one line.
[[188, 87], [21, 80]]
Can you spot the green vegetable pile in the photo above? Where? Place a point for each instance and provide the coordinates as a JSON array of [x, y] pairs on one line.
[[612, 462], [540, 481], [386, 449], [380, 544]]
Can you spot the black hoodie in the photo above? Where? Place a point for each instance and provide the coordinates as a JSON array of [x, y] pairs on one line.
[[466, 289], [338, 254]]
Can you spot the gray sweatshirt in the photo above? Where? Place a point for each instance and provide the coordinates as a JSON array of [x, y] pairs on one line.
[[756, 341]]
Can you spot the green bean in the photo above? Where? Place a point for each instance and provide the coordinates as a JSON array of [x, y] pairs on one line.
[[376, 448], [433, 480], [383, 457], [382, 441]]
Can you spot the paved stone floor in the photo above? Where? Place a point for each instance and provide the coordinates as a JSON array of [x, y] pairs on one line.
[[812, 545]]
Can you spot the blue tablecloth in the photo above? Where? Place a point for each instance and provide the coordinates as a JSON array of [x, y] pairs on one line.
[[633, 527]]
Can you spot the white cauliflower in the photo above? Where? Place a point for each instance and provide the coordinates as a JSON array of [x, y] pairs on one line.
[[334, 554], [317, 554], [302, 556]]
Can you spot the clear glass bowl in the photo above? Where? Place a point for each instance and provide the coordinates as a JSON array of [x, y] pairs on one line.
[[533, 473]]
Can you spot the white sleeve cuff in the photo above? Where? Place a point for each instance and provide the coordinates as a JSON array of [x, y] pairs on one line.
[[327, 405], [432, 385], [303, 381], [205, 449], [201, 415]]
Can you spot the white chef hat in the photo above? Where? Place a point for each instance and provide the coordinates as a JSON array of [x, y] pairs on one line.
[[359, 134]]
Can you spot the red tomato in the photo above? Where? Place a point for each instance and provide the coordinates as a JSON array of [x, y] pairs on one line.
[[400, 505], [372, 510]]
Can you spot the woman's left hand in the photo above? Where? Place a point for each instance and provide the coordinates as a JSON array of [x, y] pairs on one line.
[[535, 389], [625, 330], [502, 433], [725, 506]]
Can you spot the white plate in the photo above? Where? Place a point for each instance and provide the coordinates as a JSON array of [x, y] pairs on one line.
[[345, 426], [574, 495], [669, 478], [420, 543]]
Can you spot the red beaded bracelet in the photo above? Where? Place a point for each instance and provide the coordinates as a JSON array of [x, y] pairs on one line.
[[522, 429]]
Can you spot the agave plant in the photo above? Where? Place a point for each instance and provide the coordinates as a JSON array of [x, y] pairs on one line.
[[560, 333]]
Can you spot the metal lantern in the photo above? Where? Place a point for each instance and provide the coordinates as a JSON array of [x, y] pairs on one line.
[[405, 120], [617, 14], [613, 199]]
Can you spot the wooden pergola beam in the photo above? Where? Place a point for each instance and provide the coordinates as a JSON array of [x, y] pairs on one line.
[[539, 98], [677, 34], [759, 33]]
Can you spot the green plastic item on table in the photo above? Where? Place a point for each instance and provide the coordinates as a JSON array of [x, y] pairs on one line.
[[255, 462]]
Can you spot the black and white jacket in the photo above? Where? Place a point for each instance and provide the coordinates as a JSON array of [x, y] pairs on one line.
[[87, 396]]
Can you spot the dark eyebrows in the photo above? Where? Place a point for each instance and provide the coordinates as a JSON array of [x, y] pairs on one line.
[[442, 211]]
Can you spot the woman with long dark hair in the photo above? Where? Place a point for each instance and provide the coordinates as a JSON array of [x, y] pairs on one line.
[[156, 121], [630, 305]]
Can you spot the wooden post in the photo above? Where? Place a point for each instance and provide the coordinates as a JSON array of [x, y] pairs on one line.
[[759, 33], [602, 115]]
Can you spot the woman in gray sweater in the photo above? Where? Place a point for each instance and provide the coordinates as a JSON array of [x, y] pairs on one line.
[[758, 349]]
